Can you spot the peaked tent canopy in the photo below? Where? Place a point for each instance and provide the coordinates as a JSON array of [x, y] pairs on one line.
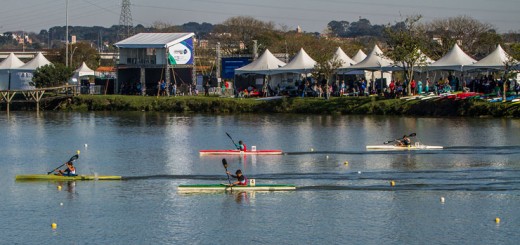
[[423, 62], [84, 70], [360, 56], [265, 64], [11, 62], [375, 61], [454, 60], [35, 63], [301, 63], [346, 61], [496, 60]]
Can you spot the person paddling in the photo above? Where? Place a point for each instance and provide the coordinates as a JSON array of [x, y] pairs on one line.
[[405, 141], [69, 171], [241, 179], [241, 146]]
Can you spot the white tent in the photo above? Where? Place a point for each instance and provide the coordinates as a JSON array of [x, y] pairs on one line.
[[82, 71], [11, 62], [346, 61], [423, 62], [22, 76], [264, 65], [301, 63], [360, 56], [495, 60], [375, 61], [454, 60], [6, 66]]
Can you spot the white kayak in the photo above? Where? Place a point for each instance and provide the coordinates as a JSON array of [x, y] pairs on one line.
[[410, 147]]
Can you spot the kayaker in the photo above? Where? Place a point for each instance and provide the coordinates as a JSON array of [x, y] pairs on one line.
[[241, 179], [405, 141], [241, 146], [69, 171]]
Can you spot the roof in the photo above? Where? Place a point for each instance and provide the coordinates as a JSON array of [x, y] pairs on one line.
[[106, 69], [153, 40], [344, 58], [301, 63], [360, 56], [455, 60], [495, 60], [35, 63], [11, 62], [265, 64], [374, 61]]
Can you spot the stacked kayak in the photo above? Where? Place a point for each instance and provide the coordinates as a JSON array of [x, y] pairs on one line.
[[52, 177], [238, 152], [225, 187]]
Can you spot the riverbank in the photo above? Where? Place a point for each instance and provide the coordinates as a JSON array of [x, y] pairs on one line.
[[339, 106]]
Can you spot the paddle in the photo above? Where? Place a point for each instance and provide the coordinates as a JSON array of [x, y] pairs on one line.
[[72, 159], [224, 162], [390, 141], [232, 140]]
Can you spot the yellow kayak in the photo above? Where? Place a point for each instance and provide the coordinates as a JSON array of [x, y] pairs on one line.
[[29, 177]]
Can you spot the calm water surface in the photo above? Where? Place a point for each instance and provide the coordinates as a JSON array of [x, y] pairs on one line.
[[478, 174]]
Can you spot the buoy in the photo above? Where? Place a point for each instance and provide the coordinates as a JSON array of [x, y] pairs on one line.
[[86, 145], [442, 199], [327, 157], [312, 149], [497, 220], [358, 172], [61, 204], [54, 226], [346, 163], [59, 187], [392, 183]]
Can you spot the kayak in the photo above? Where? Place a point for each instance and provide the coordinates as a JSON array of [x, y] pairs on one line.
[[53, 177], [237, 152], [410, 147], [225, 187]]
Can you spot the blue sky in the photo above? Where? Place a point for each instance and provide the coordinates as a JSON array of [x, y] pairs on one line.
[[311, 15]]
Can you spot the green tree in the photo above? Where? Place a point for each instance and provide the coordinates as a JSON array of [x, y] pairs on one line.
[[78, 53], [51, 75], [405, 46]]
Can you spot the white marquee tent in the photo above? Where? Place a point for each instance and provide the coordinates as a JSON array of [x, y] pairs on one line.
[[22, 76], [6, 66], [496, 60], [375, 61], [82, 71], [346, 61], [360, 56], [301, 63], [264, 65], [454, 60]]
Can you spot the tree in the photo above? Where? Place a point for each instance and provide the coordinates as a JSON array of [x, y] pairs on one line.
[[51, 75], [405, 46], [78, 53]]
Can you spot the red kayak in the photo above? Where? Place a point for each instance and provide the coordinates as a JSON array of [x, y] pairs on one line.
[[237, 152]]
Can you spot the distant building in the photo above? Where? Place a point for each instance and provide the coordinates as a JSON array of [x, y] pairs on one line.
[[147, 58], [299, 29]]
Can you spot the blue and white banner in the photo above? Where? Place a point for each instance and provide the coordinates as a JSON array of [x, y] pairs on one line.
[[181, 53]]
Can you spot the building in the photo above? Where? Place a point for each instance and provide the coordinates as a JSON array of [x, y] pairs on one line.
[[146, 59]]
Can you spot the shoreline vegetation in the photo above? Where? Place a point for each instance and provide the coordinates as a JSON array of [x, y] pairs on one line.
[[372, 105]]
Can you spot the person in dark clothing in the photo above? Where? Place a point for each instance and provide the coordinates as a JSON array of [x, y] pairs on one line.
[[241, 179]]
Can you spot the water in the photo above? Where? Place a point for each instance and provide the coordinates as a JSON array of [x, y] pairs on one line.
[[336, 203]]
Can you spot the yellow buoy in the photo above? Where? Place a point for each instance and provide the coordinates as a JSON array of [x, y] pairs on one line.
[[497, 220], [54, 226], [59, 187], [392, 183], [346, 163]]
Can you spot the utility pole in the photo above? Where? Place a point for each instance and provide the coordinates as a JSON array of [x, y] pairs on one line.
[[67, 33]]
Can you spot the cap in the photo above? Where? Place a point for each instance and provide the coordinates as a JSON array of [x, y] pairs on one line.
[[238, 171]]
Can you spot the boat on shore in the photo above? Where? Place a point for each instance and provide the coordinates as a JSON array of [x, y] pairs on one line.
[[225, 187], [238, 152], [409, 147], [53, 177]]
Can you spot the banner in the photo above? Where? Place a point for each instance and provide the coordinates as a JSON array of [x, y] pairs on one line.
[[230, 64], [181, 53]]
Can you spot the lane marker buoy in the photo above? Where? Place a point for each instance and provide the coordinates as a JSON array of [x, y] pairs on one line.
[[442, 200], [392, 183], [54, 226], [497, 220]]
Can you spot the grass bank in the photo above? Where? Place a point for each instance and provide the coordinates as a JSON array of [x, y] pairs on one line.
[[340, 106]]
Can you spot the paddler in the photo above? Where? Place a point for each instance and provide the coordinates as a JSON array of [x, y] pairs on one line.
[[241, 179], [405, 141], [69, 171], [241, 146]]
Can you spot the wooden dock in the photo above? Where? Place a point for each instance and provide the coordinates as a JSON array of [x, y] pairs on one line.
[[36, 95]]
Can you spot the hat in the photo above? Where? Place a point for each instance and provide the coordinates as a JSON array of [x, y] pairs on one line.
[[238, 171]]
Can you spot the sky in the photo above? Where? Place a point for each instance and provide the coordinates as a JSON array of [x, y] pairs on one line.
[[310, 15]]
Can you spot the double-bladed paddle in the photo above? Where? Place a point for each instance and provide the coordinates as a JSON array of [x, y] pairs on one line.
[[232, 140], [390, 141], [224, 162], [72, 159]]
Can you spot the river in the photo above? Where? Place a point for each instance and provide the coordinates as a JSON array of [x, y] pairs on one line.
[[344, 193]]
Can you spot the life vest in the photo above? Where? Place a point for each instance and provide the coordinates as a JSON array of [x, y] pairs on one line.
[[245, 147], [243, 182]]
